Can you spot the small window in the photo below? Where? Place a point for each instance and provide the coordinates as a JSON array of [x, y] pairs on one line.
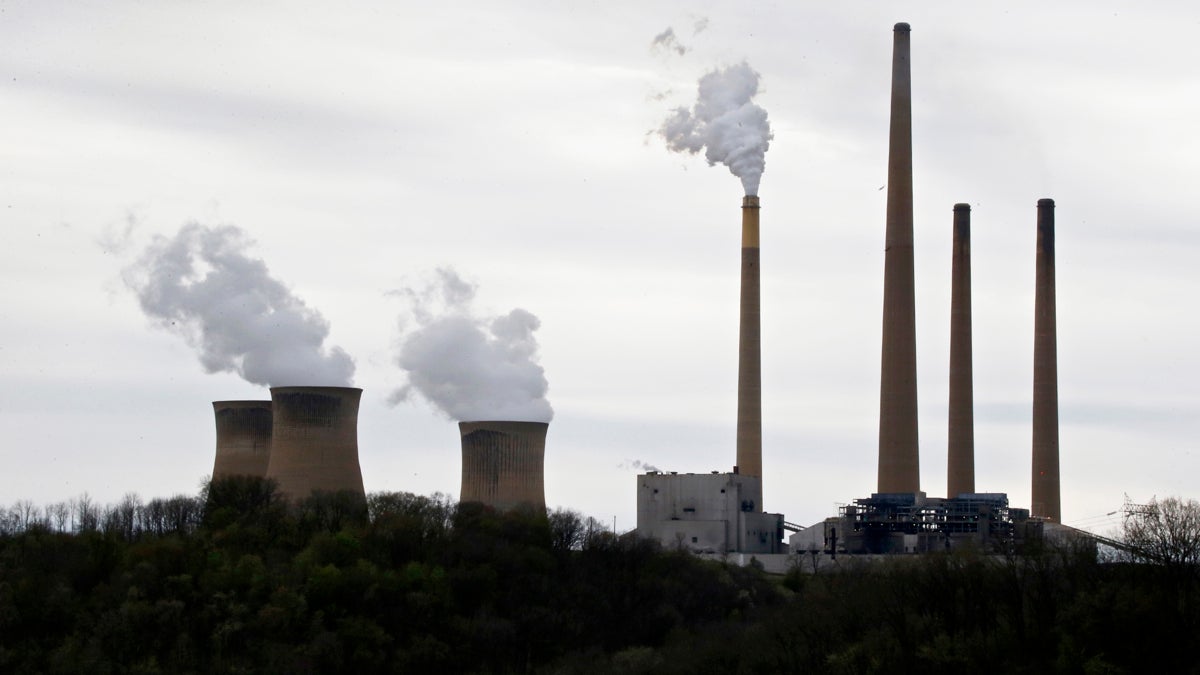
[[693, 540], [722, 490]]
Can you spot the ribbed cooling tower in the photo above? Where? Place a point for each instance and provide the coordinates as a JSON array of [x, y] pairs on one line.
[[960, 460], [314, 443], [243, 438], [1046, 497], [899, 462], [749, 413], [502, 463]]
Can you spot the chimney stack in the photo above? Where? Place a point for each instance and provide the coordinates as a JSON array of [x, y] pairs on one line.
[[1046, 497], [960, 464], [243, 438], [899, 461], [503, 463], [749, 412], [314, 440]]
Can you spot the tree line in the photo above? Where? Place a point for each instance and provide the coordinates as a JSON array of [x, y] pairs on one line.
[[236, 580]]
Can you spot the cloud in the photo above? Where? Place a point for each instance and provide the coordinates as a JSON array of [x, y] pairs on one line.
[[668, 41]]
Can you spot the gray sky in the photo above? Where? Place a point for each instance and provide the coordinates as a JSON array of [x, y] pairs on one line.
[[364, 146]]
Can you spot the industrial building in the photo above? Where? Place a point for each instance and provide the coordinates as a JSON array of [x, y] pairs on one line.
[[707, 513], [913, 523], [723, 512]]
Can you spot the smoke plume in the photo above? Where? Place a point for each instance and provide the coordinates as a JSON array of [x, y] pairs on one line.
[[638, 465], [725, 123], [471, 368], [202, 286], [668, 41]]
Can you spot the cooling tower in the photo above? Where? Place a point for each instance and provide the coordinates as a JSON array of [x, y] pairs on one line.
[[899, 462], [960, 460], [749, 413], [243, 438], [502, 463], [1046, 498], [314, 440]]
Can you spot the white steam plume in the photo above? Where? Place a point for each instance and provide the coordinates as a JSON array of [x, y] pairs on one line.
[[725, 123], [471, 368], [201, 285]]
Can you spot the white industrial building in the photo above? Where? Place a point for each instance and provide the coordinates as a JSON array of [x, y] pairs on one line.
[[707, 513]]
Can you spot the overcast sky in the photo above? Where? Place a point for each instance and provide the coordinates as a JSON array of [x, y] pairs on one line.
[[365, 146]]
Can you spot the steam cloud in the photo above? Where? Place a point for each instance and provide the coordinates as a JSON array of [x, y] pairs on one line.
[[725, 123], [227, 306], [469, 367]]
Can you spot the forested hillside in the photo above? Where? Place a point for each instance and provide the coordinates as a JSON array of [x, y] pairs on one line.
[[233, 581]]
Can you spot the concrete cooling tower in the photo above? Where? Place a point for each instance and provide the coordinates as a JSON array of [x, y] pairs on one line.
[[314, 440], [243, 438], [503, 463]]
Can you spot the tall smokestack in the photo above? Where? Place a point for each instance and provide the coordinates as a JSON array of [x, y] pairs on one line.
[[503, 463], [960, 464], [899, 461], [1047, 501], [749, 413], [314, 440], [243, 438]]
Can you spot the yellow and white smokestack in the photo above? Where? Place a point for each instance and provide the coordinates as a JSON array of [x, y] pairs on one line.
[[749, 416]]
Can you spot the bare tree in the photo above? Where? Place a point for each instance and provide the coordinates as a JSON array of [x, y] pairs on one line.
[[27, 514], [566, 530], [60, 513], [87, 514], [1165, 532], [8, 521]]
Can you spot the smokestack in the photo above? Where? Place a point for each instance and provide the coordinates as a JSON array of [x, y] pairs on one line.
[[502, 463], [960, 464], [1046, 498], [243, 438], [899, 462], [314, 442], [749, 413]]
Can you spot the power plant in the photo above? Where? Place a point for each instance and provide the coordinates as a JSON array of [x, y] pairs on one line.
[[723, 512], [305, 438], [314, 440], [900, 518], [243, 438], [503, 464]]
